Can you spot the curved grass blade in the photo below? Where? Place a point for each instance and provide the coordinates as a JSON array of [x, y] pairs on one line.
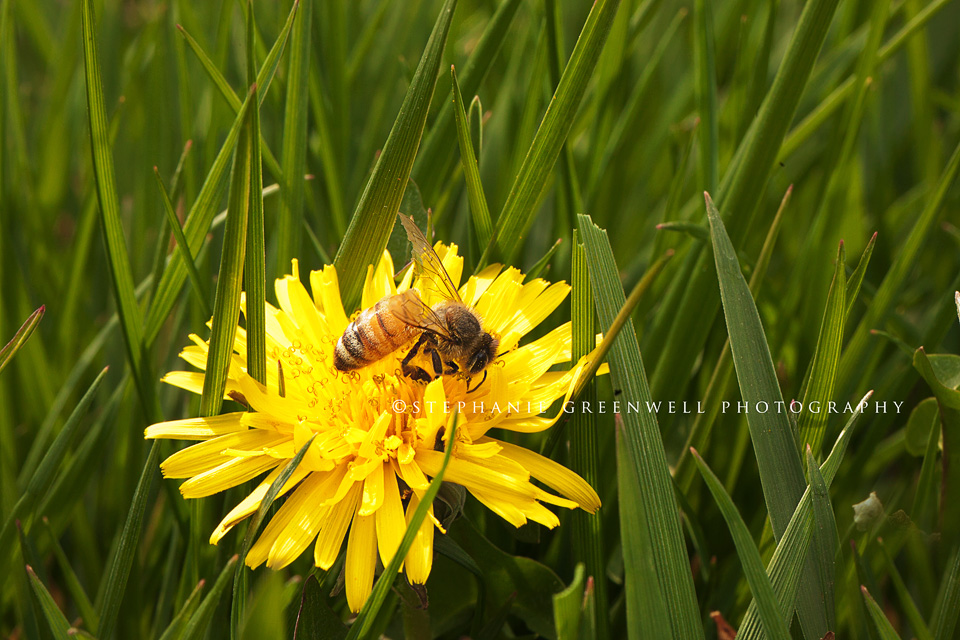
[[471, 170], [884, 628], [528, 188], [174, 630], [200, 620], [182, 245], [567, 612], [947, 607], [51, 612], [21, 336], [774, 625], [376, 212], [643, 450], [226, 303], [121, 273], [371, 608], [856, 278], [917, 624]]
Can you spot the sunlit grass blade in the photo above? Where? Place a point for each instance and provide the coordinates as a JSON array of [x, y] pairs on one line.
[[436, 159], [199, 622], [528, 189], [118, 572], [43, 477], [787, 564], [293, 152], [371, 608], [643, 447], [826, 358], [182, 246], [471, 170], [376, 212], [121, 273], [226, 303], [20, 337], [773, 623], [58, 623], [884, 628], [237, 606]]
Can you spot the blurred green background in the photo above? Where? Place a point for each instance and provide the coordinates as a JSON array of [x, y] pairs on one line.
[[722, 97]]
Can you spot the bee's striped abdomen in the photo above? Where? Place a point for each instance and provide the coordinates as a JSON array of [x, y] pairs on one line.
[[372, 336]]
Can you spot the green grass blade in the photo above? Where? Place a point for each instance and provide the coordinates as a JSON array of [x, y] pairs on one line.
[[121, 273], [528, 188], [255, 255], [20, 337], [826, 359], [226, 303], [856, 278], [567, 612], [200, 620], [371, 608], [182, 245], [781, 473], [293, 153], [644, 446], [436, 159], [475, 124], [174, 630], [51, 612], [376, 212], [471, 170], [825, 541], [74, 587], [947, 608], [706, 91], [775, 626], [884, 628], [917, 624], [115, 582]]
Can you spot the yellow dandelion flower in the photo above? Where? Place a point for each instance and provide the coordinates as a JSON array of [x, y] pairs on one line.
[[378, 435]]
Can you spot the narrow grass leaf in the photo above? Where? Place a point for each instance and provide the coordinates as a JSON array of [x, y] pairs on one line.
[[773, 623], [825, 541], [79, 596], [471, 170], [856, 278], [226, 303], [199, 622], [118, 259], [884, 628], [917, 624], [376, 212], [475, 125], [175, 629], [371, 608], [58, 623], [182, 245], [643, 446], [543, 263], [567, 611], [706, 91], [528, 188], [947, 607], [20, 337]]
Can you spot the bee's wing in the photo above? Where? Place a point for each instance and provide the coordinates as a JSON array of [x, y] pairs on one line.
[[430, 267], [413, 311]]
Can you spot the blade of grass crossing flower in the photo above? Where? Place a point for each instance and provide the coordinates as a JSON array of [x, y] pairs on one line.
[[774, 624], [46, 470], [826, 358], [51, 612], [182, 245], [366, 619], [236, 609], [376, 212], [293, 153], [825, 541], [119, 564], [947, 607], [471, 170], [917, 624], [118, 262], [226, 303], [528, 188], [584, 448], [858, 349], [643, 445], [20, 337], [195, 229], [254, 267], [436, 158], [706, 90], [787, 564], [199, 622], [884, 628]]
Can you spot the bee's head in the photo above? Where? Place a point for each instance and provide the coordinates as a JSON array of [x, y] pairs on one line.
[[485, 350]]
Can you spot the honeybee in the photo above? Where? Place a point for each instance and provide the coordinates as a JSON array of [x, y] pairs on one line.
[[450, 334]]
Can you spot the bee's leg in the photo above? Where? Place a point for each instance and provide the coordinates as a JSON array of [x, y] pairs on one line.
[[437, 363], [451, 368], [412, 372], [484, 379]]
